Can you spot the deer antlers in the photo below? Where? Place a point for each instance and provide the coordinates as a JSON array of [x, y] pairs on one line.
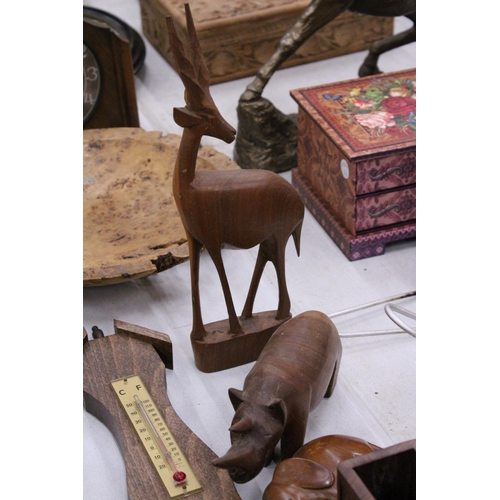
[[192, 70]]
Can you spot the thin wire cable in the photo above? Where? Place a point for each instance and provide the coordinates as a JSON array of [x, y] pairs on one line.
[[369, 334], [371, 304], [390, 310]]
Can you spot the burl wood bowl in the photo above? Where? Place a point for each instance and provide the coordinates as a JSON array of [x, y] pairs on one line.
[[131, 227]]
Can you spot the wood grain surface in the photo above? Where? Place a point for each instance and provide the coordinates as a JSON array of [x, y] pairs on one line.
[[238, 37], [131, 227], [382, 474], [120, 355], [312, 472], [236, 209], [117, 104]]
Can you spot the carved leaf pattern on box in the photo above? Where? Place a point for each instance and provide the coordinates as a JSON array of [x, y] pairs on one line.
[[209, 10], [237, 37]]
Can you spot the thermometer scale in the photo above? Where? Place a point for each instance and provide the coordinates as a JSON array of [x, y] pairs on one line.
[[161, 447]]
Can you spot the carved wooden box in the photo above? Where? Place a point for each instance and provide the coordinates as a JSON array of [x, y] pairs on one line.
[[357, 160], [237, 36]]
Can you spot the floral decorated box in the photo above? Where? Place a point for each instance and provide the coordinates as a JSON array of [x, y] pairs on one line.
[[357, 152], [238, 36]]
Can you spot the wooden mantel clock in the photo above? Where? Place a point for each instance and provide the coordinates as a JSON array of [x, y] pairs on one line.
[[124, 386], [109, 98]]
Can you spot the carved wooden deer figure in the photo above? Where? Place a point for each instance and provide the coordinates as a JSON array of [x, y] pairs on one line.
[[239, 208]]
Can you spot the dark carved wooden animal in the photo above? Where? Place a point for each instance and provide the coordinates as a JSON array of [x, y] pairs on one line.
[[296, 369], [265, 132], [238, 208], [321, 12], [311, 474]]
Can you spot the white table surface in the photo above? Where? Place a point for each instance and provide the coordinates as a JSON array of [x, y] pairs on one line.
[[375, 397]]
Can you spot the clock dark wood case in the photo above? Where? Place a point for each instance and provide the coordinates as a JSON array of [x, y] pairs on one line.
[[112, 103]]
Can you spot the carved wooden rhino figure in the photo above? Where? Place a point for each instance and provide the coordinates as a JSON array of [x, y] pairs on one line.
[[295, 370]]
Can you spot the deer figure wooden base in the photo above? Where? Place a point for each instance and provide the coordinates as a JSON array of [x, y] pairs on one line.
[[240, 209]]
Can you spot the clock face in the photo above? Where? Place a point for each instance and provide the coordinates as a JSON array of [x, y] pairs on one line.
[[91, 83]]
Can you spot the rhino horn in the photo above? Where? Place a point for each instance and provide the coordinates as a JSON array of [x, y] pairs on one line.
[[233, 456], [244, 424], [236, 397]]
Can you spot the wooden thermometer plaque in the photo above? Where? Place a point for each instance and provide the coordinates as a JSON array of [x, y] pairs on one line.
[[124, 386], [165, 454]]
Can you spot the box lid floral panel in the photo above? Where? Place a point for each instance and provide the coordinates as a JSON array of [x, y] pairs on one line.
[[365, 116]]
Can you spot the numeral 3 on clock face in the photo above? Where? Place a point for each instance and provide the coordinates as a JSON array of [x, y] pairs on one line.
[[91, 83]]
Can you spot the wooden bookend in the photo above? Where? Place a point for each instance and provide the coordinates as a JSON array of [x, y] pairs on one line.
[[381, 475], [134, 350], [240, 209]]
